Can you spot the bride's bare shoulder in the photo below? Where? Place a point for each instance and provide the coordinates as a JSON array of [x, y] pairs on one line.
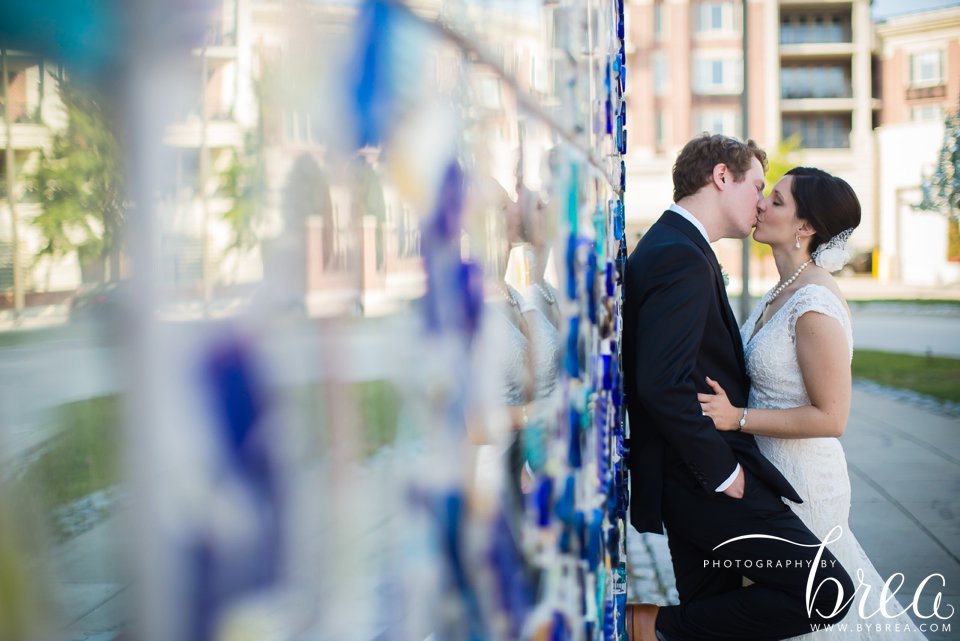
[[824, 279]]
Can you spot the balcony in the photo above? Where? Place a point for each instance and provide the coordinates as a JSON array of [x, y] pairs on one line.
[[218, 55], [816, 81], [188, 133], [816, 50], [808, 105], [827, 131], [815, 25], [824, 87], [21, 112], [791, 34], [26, 136], [928, 91]]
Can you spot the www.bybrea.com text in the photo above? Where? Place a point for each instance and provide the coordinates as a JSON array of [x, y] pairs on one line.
[[906, 626]]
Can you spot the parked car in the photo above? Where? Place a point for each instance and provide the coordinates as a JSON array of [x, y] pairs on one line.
[[860, 263], [98, 302]]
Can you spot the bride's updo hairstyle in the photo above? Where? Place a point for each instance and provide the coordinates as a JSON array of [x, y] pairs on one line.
[[825, 201]]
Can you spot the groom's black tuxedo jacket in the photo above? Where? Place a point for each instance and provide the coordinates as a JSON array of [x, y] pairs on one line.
[[678, 329]]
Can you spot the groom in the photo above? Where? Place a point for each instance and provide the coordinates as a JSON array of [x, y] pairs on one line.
[[706, 486]]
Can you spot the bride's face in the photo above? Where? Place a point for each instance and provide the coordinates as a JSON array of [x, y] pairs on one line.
[[777, 220]]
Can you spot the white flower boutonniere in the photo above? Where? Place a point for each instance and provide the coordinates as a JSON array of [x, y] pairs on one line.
[[725, 276]]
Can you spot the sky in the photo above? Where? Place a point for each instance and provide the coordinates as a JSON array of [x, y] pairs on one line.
[[885, 8]]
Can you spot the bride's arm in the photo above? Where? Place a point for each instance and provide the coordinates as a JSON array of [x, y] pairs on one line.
[[823, 355]]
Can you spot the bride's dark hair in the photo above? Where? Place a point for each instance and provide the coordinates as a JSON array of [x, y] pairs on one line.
[[827, 202]]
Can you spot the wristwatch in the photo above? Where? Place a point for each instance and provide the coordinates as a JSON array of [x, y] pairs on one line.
[[742, 423]]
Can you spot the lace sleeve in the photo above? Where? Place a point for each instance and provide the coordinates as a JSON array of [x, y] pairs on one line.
[[817, 298]]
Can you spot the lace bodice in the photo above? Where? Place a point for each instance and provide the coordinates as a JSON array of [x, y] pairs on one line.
[[771, 354], [815, 467], [514, 349]]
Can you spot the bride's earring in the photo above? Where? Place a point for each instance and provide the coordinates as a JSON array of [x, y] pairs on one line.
[[796, 245]]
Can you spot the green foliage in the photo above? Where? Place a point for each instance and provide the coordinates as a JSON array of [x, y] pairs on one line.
[[779, 162], [368, 192], [379, 403], [307, 193], [930, 375], [79, 185], [244, 183], [941, 189], [81, 458]]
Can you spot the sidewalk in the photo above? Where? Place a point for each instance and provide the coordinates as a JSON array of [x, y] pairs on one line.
[[904, 466], [865, 288]]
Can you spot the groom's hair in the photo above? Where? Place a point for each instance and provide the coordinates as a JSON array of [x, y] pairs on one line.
[[694, 165]]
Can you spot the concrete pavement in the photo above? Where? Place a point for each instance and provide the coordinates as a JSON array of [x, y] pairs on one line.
[[905, 475], [908, 329], [904, 464]]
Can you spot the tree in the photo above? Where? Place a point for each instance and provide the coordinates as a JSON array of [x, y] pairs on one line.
[[80, 186], [778, 164], [941, 190], [781, 161], [244, 182]]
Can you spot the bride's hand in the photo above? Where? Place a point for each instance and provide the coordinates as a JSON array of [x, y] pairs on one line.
[[717, 406]]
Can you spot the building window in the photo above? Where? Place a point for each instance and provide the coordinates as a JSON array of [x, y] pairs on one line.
[[815, 81], [540, 75], [660, 75], [661, 129], [713, 17], [717, 121], [926, 113], [182, 260], [25, 93], [488, 92], [804, 28], [658, 21], [819, 132], [926, 69], [713, 75]]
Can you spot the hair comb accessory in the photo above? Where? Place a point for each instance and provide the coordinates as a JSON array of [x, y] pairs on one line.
[[833, 255]]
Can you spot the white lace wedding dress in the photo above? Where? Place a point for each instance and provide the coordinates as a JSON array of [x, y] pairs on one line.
[[816, 467]]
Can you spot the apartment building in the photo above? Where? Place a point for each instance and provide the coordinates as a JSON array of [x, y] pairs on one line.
[[920, 58], [214, 109], [30, 111], [809, 72]]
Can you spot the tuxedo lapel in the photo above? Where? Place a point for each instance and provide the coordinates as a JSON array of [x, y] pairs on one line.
[[677, 221]]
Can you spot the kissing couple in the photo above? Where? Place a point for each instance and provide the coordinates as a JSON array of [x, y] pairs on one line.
[[733, 430]]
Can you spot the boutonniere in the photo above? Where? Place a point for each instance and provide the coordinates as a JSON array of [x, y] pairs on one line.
[[725, 276]]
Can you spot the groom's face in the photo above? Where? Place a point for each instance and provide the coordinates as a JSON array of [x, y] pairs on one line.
[[741, 201]]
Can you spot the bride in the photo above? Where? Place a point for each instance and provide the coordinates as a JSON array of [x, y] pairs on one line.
[[798, 345]]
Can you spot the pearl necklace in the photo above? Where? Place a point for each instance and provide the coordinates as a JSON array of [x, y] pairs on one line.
[[782, 286], [547, 295]]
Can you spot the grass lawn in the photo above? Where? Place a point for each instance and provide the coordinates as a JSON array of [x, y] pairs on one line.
[[377, 405], [29, 337], [918, 302], [82, 457], [934, 375]]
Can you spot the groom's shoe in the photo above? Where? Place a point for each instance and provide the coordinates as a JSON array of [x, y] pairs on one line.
[[641, 622]]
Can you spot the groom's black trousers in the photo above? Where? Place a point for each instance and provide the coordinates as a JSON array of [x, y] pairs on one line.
[[715, 606]]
